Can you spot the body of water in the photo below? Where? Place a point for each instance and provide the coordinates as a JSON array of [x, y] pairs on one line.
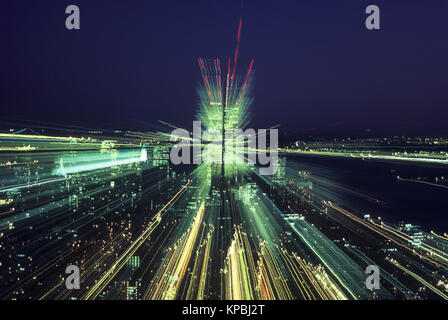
[[372, 187]]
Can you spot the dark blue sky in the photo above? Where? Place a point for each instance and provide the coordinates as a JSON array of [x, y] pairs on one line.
[[318, 70]]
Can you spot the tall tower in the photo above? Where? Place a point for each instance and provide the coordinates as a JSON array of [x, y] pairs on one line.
[[224, 99]]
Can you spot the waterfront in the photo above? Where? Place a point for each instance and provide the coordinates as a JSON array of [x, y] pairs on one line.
[[372, 187]]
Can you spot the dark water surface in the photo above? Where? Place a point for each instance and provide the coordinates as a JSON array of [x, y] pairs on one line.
[[372, 187]]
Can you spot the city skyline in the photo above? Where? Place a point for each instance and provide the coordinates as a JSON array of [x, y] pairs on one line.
[[134, 164]]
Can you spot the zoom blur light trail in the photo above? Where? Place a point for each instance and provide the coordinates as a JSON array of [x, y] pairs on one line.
[[224, 103], [88, 161]]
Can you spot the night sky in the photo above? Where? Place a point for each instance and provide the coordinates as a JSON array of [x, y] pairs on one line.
[[318, 69]]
